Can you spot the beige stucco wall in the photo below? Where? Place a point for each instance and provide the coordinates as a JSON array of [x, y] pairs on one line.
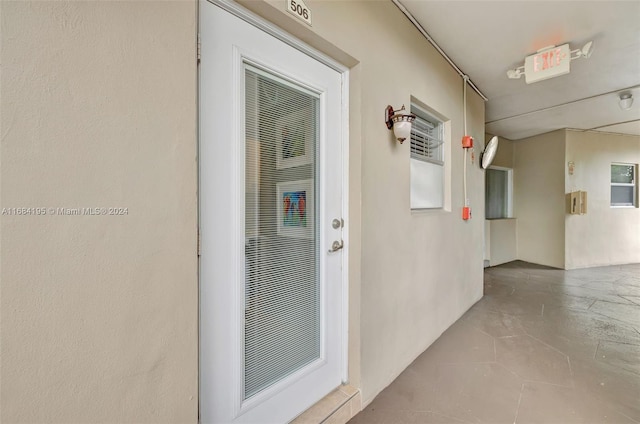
[[503, 241], [419, 271], [99, 313], [505, 154], [539, 200], [605, 235]]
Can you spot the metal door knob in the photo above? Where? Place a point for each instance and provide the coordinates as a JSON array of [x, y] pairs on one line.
[[336, 245]]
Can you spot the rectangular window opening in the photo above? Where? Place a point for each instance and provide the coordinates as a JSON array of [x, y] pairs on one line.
[[427, 160], [498, 193], [624, 187]]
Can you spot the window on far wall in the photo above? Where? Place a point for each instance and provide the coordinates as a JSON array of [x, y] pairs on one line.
[[427, 160], [624, 189], [498, 193]]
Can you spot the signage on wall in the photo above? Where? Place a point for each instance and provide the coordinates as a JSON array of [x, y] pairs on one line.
[[547, 63], [300, 10]]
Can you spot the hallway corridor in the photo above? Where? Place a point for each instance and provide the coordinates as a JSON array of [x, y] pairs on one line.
[[542, 346]]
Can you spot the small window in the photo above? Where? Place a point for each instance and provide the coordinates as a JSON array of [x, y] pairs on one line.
[[623, 185], [498, 193], [427, 160], [427, 137]]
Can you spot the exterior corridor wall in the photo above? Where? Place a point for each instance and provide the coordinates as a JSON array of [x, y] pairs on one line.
[[99, 313], [539, 200], [418, 271], [604, 235]]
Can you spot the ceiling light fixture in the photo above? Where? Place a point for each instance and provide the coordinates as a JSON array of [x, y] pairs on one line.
[[549, 62], [626, 100]]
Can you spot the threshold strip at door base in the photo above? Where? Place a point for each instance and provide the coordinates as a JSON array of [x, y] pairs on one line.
[[337, 407]]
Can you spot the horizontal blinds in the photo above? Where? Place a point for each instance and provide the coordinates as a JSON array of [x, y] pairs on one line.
[[282, 327], [426, 141]]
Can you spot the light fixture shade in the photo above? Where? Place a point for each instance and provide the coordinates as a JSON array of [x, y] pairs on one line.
[[402, 130], [489, 152], [402, 124], [626, 101]]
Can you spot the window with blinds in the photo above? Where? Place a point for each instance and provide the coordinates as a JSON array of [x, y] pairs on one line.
[[427, 137], [282, 294], [427, 160]]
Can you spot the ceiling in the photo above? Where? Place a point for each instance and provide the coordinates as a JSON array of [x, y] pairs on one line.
[[487, 38]]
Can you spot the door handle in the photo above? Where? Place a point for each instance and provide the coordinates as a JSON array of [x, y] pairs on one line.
[[336, 245]]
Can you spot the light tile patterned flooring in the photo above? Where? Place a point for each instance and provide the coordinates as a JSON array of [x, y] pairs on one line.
[[542, 346]]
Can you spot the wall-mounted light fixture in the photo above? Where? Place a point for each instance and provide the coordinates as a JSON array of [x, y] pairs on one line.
[[400, 120], [549, 62], [626, 100]]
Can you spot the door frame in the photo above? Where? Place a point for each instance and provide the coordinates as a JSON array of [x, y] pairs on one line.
[[276, 32]]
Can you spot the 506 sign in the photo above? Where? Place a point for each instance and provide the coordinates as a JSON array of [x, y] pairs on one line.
[[300, 10]]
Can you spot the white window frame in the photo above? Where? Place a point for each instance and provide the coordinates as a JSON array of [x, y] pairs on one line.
[[633, 184], [428, 176]]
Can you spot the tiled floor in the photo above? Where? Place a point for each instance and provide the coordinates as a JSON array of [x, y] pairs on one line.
[[542, 346]]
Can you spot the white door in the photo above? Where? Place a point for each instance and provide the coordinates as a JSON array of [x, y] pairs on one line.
[[271, 176]]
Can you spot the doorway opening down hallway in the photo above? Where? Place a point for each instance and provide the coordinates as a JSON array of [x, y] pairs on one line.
[[542, 346]]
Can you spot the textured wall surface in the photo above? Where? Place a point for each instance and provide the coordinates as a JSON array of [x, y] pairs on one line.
[[99, 313], [605, 235], [539, 201], [504, 245]]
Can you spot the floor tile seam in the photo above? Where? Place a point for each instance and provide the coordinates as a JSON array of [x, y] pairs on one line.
[[515, 419], [480, 330], [506, 314], [546, 344], [617, 342], [575, 296], [518, 376], [468, 362], [629, 300], [495, 350], [613, 292], [621, 296], [428, 411], [602, 279], [568, 308], [612, 318], [626, 416], [629, 285], [500, 312], [619, 279], [548, 383]]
